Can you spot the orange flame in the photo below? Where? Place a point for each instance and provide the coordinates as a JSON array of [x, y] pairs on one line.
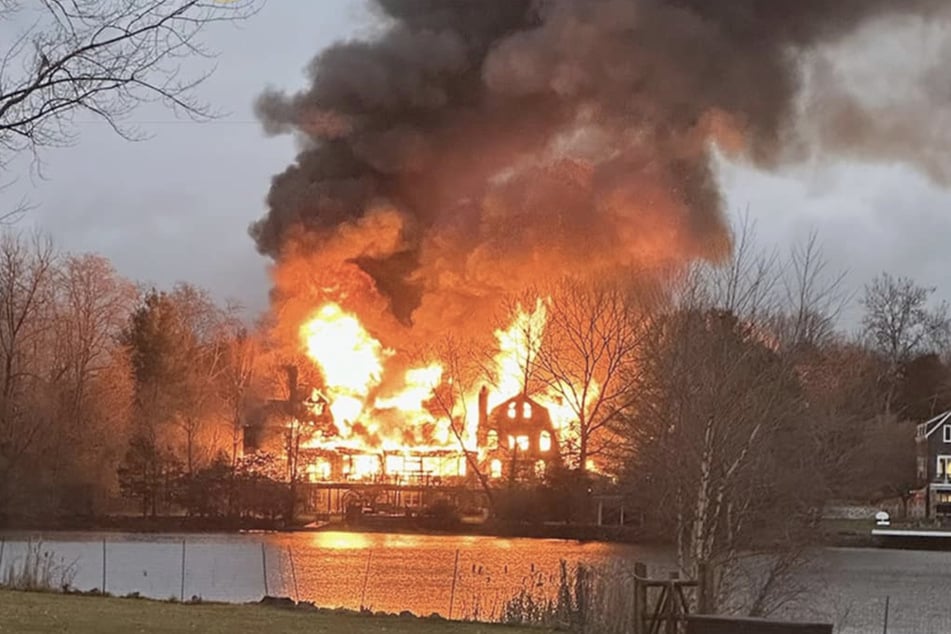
[[391, 431]]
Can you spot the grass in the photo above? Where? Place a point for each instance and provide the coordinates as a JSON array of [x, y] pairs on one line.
[[33, 613]]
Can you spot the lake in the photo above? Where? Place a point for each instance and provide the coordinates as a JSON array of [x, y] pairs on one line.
[[394, 572]]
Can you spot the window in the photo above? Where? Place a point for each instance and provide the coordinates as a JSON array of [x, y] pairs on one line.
[[495, 469], [540, 468], [947, 433], [492, 439], [944, 467], [522, 442], [526, 410], [544, 441], [511, 442], [511, 410]]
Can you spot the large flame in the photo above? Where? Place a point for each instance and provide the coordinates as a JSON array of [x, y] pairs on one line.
[[350, 359], [393, 430]]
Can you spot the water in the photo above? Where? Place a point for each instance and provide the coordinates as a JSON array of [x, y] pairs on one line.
[[415, 572]]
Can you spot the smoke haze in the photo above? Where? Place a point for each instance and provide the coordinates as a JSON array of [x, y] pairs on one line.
[[477, 145]]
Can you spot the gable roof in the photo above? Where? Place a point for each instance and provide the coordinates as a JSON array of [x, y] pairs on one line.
[[936, 422]]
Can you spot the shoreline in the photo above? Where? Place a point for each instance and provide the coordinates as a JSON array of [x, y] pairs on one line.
[[848, 537], [198, 526]]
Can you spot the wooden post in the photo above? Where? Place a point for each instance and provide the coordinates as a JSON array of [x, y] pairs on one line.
[[600, 512], [621, 522], [264, 568], [452, 591], [104, 566], [672, 603], [290, 556], [885, 626], [705, 589], [366, 580], [182, 594], [640, 598]]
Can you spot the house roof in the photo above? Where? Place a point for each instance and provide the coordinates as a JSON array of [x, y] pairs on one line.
[[936, 422]]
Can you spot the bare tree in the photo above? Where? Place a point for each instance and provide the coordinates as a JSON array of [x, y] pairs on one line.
[[92, 305], [26, 274], [238, 376], [99, 57], [714, 439], [814, 297], [462, 374], [203, 361], [899, 323], [88, 373], [746, 284], [588, 358]]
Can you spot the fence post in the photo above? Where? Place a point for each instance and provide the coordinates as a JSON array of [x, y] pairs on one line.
[[104, 565], [885, 626], [366, 580], [672, 603], [290, 556], [182, 592], [640, 597], [264, 568], [705, 589], [452, 591]]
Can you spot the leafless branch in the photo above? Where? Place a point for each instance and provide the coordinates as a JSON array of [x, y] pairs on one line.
[[103, 57]]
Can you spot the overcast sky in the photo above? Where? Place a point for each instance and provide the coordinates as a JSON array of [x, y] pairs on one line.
[[177, 206]]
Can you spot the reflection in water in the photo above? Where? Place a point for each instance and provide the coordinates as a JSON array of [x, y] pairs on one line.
[[339, 541], [415, 572]]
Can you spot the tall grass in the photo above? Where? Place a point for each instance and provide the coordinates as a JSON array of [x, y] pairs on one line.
[[39, 570], [581, 599]]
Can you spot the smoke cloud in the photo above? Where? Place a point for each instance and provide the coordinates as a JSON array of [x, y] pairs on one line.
[[477, 145]]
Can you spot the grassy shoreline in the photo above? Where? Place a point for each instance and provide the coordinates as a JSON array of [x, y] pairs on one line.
[[41, 613]]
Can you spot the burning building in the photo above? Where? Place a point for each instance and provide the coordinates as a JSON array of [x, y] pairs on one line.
[[473, 148], [518, 439]]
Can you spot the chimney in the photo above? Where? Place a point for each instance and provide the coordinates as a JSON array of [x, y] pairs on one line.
[[483, 407], [291, 382]]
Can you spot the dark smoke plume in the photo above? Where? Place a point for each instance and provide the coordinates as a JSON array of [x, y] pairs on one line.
[[477, 144]]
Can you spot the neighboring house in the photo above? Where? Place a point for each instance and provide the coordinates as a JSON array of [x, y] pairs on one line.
[[933, 440]]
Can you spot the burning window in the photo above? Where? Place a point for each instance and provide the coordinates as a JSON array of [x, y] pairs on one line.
[[526, 410], [511, 410], [318, 470], [495, 469], [511, 442], [522, 442], [544, 441], [540, 468], [492, 440]]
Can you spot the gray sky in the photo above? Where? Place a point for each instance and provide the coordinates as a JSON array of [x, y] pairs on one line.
[[177, 206]]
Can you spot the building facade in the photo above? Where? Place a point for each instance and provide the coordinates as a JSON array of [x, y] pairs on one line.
[[933, 442]]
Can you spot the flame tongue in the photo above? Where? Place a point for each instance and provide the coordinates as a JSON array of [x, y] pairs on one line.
[[350, 359]]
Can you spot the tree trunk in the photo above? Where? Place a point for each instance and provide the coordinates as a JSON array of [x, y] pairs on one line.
[[582, 447]]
